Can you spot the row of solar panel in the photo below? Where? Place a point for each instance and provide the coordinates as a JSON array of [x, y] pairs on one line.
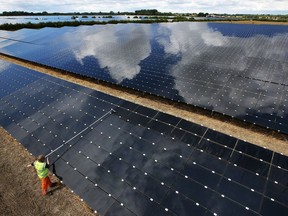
[[271, 71], [221, 105], [201, 83], [138, 161]]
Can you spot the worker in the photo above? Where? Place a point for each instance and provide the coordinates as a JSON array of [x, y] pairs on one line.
[[42, 170]]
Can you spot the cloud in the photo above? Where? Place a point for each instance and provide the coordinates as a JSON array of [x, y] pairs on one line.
[[217, 6], [218, 66], [128, 51], [3, 66]]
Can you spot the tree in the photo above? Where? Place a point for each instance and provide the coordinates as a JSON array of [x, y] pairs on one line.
[[147, 12], [201, 14]]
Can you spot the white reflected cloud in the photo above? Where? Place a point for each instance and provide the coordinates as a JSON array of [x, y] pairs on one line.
[[3, 66], [120, 54], [208, 56], [8, 38]]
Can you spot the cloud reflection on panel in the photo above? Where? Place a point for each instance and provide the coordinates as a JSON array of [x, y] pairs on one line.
[[3, 66], [8, 39], [209, 60], [118, 51]]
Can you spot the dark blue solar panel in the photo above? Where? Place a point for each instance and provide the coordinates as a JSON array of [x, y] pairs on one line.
[[237, 70], [134, 160]]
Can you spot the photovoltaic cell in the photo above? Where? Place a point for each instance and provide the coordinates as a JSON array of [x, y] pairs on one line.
[[236, 70], [133, 160]]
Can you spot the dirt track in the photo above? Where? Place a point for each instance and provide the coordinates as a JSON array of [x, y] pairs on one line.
[[20, 188]]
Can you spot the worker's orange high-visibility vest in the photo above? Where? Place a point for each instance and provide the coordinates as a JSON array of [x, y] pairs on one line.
[[41, 169]]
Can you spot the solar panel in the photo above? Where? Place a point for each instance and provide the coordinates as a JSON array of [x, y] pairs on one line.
[[125, 159], [236, 70]]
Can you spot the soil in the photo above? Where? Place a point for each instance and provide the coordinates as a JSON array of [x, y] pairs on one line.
[[20, 188]]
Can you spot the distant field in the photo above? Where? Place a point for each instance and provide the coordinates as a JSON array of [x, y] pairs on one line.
[[255, 22]]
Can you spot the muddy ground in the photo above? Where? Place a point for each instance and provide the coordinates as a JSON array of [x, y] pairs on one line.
[[20, 188]]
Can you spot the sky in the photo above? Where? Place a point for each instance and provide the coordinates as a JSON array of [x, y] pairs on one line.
[[181, 6]]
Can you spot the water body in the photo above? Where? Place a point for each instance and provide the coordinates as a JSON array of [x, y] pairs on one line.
[[38, 19]]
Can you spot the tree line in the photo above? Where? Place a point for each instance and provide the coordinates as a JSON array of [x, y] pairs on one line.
[[44, 13], [23, 13]]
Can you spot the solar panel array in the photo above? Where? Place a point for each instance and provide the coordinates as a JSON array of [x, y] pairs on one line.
[[125, 159], [236, 70]]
